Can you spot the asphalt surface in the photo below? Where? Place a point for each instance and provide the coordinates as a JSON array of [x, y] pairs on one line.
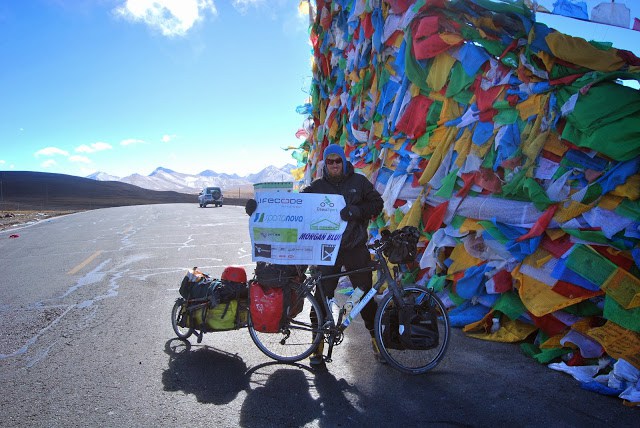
[[86, 340]]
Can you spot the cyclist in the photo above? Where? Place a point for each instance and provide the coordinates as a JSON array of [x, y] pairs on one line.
[[363, 202]]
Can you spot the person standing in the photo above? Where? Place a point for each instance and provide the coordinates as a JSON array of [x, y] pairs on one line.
[[363, 202]]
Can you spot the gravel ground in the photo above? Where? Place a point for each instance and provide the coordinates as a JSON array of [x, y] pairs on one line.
[[12, 219]]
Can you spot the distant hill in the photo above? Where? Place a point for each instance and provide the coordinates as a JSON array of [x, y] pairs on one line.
[[164, 179], [24, 190]]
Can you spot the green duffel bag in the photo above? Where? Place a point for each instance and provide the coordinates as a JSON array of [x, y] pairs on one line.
[[220, 317]]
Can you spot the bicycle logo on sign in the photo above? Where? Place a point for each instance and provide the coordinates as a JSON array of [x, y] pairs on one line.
[[327, 203]]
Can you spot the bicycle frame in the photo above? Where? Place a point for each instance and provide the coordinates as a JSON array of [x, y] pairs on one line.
[[335, 329]]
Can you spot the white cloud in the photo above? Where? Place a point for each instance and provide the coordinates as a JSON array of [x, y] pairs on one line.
[[51, 151], [79, 159], [93, 147], [243, 5], [48, 163], [167, 138], [130, 141], [2, 162], [171, 17]]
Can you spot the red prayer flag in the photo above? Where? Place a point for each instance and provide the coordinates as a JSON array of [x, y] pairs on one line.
[[572, 291], [541, 224], [413, 122], [548, 324], [433, 217], [400, 6], [430, 47], [557, 247], [469, 179], [367, 26]]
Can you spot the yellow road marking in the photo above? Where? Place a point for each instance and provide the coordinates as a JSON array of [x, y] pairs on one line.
[[84, 263]]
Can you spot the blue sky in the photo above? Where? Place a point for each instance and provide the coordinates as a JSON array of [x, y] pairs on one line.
[[123, 86], [116, 86]]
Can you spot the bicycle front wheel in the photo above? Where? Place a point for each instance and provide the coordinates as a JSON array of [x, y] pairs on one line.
[[412, 338], [298, 335]]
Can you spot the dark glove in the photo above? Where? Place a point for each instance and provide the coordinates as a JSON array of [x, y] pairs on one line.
[[251, 206], [351, 212]]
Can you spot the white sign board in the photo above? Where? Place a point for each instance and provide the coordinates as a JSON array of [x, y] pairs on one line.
[[296, 228]]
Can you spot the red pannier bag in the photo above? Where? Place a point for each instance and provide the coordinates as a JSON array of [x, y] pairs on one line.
[[265, 306]]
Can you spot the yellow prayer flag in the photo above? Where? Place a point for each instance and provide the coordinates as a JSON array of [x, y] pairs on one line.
[[624, 288], [439, 71], [630, 189], [566, 212], [413, 216], [554, 145], [470, 225], [461, 259], [539, 298], [511, 331], [618, 342], [298, 173]]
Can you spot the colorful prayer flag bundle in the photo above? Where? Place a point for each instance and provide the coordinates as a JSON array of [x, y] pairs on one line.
[[514, 148]]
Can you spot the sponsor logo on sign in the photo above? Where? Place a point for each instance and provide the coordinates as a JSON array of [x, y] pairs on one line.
[[275, 218], [275, 234], [262, 250], [324, 224], [327, 251], [281, 200]]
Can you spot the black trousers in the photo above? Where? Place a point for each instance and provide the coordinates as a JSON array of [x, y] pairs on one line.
[[352, 258]]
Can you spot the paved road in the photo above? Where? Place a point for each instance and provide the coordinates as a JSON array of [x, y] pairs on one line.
[[87, 341]]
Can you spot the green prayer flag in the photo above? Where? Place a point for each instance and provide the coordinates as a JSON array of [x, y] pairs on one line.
[[448, 184], [627, 318], [589, 264], [437, 283], [510, 304]]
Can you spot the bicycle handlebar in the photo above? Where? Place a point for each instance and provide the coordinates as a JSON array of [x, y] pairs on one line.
[[378, 245]]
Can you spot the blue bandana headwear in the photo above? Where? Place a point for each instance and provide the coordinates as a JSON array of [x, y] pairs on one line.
[[335, 149]]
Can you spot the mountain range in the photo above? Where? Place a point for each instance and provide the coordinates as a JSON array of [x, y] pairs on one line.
[[164, 179]]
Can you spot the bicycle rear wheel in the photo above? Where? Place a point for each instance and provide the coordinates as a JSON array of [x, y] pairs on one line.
[[297, 336], [433, 340]]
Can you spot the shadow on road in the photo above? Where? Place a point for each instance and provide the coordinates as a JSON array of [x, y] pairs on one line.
[[293, 395], [212, 375], [278, 394]]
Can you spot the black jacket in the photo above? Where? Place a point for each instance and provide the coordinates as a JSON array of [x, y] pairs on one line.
[[357, 190]]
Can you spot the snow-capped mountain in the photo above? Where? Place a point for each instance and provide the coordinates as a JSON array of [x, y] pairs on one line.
[[166, 179], [102, 176]]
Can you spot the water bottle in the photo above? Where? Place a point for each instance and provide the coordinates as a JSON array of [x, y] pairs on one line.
[[353, 300], [348, 306], [334, 309]]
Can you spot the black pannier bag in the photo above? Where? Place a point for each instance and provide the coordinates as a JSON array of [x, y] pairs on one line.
[[275, 275], [412, 327], [231, 290], [418, 325], [404, 244], [391, 328], [197, 285]]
